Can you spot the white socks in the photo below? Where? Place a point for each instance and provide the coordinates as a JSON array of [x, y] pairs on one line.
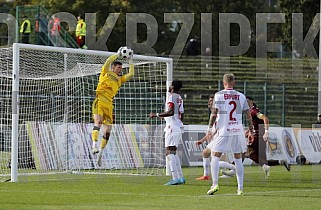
[[94, 144], [206, 166], [178, 166], [215, 169], [239, 172], [172, 165]]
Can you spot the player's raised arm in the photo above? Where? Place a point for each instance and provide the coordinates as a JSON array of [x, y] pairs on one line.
[[131, 71], [107, 64]]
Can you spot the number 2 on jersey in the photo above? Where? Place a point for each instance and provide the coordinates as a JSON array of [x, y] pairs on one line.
[[233, 103]]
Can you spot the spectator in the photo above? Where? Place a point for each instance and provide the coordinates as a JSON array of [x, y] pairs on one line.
[[81, 33], [54, 30], [25, 30], [41, 29]]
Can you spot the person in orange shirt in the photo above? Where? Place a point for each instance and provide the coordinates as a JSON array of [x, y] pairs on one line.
[[55, 30]]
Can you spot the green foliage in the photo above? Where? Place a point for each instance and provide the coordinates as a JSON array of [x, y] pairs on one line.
[[309, 9], [167, 37]]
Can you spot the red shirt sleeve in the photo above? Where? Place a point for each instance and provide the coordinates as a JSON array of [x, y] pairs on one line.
[[170, 104]]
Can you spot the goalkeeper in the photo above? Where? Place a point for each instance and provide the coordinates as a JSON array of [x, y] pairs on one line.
[[110, 81]]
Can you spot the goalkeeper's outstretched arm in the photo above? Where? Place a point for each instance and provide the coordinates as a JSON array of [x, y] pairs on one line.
[[131, 71], [107, 64]]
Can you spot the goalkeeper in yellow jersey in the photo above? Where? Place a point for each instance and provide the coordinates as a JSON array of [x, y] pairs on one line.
[[109, 83]]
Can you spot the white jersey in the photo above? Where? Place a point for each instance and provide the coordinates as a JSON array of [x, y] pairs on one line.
[[174, 123], [230, 104]]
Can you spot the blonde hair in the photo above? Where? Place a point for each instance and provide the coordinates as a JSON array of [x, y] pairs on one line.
[[228, 78]]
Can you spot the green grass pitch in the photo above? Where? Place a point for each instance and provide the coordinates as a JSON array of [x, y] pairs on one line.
[[298, 189]]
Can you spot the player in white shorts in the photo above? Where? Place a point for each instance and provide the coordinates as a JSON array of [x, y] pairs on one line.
[[223, 164], [228, 108], [174, 130], [206, 153], [241, 137]]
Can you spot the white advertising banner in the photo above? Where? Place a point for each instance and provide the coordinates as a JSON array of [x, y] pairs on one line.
[[192, 152], [310, 144], [68, 146], [282, 144], [285, 143], [57, 146]]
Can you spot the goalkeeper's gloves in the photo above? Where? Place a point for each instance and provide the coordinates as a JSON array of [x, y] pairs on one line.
[[130, 60], [119, 51]]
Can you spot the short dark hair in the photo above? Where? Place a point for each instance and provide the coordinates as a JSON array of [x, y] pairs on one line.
[[251, 99], [177, 85], [115, 63], [319, 115], [212, 96]]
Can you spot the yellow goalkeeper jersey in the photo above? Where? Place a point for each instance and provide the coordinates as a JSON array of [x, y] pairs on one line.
[[109, 82]]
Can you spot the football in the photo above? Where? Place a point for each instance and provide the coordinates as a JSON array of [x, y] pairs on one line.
[[126, 52]]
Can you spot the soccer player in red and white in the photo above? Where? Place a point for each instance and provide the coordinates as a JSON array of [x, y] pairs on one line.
[[174, 130], [229, 105], [210, 137], [223, 164]]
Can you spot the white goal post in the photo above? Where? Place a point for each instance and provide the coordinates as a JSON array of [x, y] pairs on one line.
[[51, 121]]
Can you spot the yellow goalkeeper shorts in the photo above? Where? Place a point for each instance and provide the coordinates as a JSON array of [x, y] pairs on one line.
[[103, 109]]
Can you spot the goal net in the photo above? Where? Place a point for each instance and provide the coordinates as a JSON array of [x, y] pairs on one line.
[[46, 119]]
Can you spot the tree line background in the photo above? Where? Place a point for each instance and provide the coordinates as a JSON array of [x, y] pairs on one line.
[[167, 33]]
